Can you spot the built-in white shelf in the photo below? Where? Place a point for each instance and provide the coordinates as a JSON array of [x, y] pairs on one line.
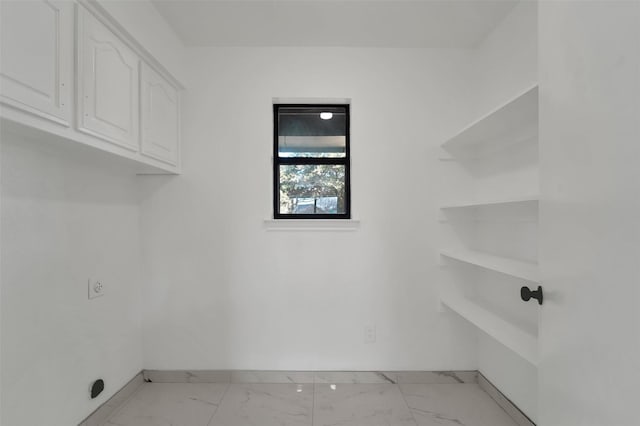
[[516, 268], [531, 199], [510, 131], [515, 121], [513, 337]]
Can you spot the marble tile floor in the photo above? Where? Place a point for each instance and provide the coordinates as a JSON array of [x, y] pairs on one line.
[[319, 404]]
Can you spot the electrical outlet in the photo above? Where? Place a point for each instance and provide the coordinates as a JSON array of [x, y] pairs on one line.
[[96, 288], [369, 333]]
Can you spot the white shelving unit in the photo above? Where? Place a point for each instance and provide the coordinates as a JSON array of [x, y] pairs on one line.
[[515, 121], [515, 268], [513, 337], [496, 156]]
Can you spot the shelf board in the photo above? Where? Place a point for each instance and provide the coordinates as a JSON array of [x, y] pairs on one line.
[[513, 337], [511, 200], [516, 268], [514, 121]]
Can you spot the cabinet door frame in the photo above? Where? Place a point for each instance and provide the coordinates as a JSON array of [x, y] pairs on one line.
[[148, 78], [86, 83], [15, 93]]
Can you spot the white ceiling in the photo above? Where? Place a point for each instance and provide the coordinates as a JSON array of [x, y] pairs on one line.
[[425, 23]]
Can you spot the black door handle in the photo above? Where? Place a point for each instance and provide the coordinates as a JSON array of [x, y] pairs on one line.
[[527, 294]]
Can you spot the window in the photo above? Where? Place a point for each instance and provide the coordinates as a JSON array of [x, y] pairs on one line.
[[311, 162]]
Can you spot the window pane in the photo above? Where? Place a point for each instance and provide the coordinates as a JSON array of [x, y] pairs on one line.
[[312, 131], [312, 189]]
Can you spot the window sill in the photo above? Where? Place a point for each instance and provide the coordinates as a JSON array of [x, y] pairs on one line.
[[311, 224]]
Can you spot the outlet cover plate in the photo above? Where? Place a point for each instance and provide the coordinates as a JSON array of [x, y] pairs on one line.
[[95, 288], [370, 333]]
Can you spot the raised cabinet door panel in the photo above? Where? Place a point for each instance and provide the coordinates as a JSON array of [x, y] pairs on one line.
[[160, 117], [36, 47], [107, 84]]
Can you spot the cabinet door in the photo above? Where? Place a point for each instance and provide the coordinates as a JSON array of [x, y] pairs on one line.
[[160, 115], [107, 84], [35, 57]]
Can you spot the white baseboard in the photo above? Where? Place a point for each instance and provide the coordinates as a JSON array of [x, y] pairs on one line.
[[504, 402], [100, 415]]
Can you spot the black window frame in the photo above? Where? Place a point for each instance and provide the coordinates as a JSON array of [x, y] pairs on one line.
[[278, 161]]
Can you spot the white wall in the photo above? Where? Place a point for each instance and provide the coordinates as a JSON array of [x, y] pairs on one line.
[[225, 293], [507, 64], [590, 239], [66, 216], [1, 363]]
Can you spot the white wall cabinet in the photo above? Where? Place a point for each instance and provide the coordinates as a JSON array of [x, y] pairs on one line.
[[160, 111], [123, 100], [107, 84], [36, 57]]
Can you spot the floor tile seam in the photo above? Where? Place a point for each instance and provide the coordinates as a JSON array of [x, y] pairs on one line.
[[226, 389], [124, 403], [313, 401], [407, 404]]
